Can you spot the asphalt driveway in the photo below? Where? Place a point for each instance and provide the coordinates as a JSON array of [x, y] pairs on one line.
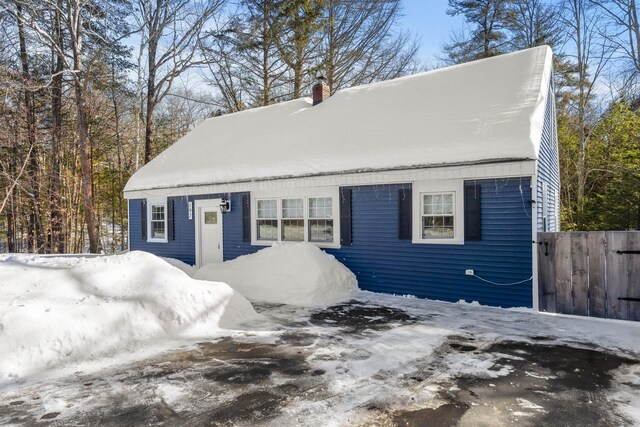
[[370, 361]]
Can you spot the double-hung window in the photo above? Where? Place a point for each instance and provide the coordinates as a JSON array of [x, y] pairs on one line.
[[267, 225], [157, 221], [438, 215], [296, 219]]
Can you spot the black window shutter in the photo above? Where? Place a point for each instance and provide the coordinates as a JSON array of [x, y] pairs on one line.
[[472, 211], [404, 213], [345, 216], [171, 226], [143, 219], [246, 218]]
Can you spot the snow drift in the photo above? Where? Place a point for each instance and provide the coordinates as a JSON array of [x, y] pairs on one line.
[[57, 311], [298, 274]]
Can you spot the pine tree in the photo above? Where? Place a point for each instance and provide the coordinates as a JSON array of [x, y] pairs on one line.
[[489, 19]]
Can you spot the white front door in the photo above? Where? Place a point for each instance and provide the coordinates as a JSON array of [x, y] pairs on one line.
[[209, 238]]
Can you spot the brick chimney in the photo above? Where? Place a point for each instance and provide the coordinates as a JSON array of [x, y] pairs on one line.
[[320, 91]]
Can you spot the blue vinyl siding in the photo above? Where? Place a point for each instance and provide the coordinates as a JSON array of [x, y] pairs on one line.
[[184, 246], [548, 168], [384, 263]]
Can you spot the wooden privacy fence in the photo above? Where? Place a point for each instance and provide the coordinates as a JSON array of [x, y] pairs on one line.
[[590, 273]]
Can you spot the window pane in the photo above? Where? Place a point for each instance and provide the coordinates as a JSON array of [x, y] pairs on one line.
[[157, 229], [293, 230], [447, 204], [320, 230], [437, 227], [268, 209], [321, 207], [211, 217], [267, 229], [292, 208], [157, 212]]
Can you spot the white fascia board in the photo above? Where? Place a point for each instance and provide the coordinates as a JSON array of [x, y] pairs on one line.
[[468, 171]]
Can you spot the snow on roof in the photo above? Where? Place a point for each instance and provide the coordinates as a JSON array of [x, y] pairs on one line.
[[484, 110]]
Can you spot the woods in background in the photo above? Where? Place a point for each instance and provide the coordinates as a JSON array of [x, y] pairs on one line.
[[94, 89]]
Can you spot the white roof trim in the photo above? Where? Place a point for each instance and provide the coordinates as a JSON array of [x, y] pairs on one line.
[[467, 172]]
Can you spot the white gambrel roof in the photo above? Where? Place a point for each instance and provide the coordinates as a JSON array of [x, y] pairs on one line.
[[482, 111]]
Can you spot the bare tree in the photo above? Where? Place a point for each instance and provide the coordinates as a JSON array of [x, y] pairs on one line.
[[534, 23], [360, 44], [623, 16], [36, 235], [57, 241], [171, 30], [591, 56]]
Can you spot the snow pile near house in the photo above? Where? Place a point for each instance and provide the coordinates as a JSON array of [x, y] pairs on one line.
[[189, 269], [298, 274], [60, 311]]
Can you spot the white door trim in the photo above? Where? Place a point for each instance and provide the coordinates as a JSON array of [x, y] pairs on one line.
[[205, 203]]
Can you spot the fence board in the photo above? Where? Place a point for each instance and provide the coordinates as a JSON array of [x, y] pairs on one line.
[[617, 275], [562, 262], [546, 287], [590, 273], [596, 248], [579, 277], [633, 291]]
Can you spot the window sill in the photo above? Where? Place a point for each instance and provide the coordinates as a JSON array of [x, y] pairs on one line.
[[438, 241], [157, 240], [318, 244]]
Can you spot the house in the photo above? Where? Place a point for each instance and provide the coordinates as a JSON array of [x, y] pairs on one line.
[[432, 185]]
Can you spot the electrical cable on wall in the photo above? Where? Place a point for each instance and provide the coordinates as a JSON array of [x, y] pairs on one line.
[[502, 284]]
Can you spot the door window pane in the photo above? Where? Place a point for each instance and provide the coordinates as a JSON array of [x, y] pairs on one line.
[[211, 217]]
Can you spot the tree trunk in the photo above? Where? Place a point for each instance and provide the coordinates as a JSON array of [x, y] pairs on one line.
[[57, 243], [36, 235], [266, 42], [331, 48], [75, 32], [151, 96]]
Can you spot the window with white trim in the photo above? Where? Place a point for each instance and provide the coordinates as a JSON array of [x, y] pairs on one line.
[[296, 219], [157, 221], [438, 216], [438, 212]]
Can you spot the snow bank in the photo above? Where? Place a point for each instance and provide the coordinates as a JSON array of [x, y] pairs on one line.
[[188, 269], [298, 274], [58, 311]]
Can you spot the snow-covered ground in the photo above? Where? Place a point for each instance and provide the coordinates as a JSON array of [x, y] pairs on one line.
[[371, 359], [61, 311]]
